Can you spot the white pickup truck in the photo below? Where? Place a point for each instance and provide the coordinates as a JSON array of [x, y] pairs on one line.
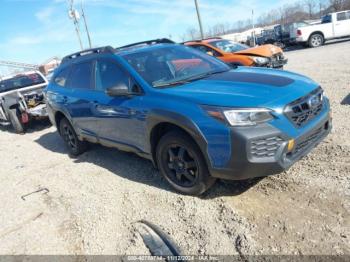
[[334, 25]]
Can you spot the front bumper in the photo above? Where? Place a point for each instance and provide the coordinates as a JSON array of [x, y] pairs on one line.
[[278, 63], [263, 150]]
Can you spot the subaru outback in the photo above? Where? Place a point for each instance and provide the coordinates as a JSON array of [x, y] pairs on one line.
[[196, 118]]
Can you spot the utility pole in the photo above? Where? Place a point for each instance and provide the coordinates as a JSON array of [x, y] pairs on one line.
[[86, 27], [199, 19], [74, 15], [253, 32]]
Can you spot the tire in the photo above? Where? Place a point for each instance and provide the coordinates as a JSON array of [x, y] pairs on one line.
[[316, 40], [74, 145], [15, 119], [182, 164]]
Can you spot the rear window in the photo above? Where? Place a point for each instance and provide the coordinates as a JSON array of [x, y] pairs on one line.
[[21, 81], [327, 19]]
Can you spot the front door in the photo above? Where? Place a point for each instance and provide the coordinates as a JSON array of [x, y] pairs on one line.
[[120, 119]]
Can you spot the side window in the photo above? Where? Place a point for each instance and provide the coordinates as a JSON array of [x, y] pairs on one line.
[[109, 74], [348, 15], [61, 77], [207, 50], [81, 76], [341, 16]]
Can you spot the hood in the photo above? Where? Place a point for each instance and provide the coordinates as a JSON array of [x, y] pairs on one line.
[[263, 50], [245, 87]]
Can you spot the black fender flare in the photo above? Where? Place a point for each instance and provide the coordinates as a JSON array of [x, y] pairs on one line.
[[156, 117]]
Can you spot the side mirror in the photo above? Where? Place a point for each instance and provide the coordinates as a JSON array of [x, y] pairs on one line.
[[119, 90]]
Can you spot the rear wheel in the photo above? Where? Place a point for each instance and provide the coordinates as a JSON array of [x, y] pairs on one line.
[[15, 119], [74, 145], [316, 40], [182, 164]]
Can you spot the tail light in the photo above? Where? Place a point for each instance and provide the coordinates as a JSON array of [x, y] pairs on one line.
[[299, 33]]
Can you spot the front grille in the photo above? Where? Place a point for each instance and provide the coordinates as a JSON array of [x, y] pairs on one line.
[[301, 111], [265, 147], [306, 142], [278, 57]]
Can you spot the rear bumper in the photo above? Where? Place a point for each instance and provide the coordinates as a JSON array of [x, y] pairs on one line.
[[300, 40], [263, 151]]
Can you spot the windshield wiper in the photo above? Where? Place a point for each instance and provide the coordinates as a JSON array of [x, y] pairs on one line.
[[197, 77], [180, 82], [187, 80]]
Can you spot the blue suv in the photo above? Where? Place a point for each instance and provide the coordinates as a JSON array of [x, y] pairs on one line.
[[196, 118]]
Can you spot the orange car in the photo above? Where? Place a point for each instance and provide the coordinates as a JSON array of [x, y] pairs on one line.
[[237, 54]]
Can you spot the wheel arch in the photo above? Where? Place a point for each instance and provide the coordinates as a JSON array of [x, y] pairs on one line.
[[316, 32], [161, 122], [59, 115]]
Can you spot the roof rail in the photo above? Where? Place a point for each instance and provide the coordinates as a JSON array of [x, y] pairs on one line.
[[98, 50], [149, 42]]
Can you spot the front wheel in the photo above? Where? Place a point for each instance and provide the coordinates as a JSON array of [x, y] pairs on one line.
[[316, 40], [182, 164], [74, 145]]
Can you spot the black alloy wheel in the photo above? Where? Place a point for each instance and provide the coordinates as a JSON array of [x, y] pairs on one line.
[[182, 164], [74, 145]]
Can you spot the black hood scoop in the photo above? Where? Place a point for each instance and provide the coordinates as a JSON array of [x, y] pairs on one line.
[[255, 78]]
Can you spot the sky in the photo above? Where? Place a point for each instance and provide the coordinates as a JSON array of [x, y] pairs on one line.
[[32, 31]]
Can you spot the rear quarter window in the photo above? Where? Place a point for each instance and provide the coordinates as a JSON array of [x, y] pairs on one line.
[[61, 78]]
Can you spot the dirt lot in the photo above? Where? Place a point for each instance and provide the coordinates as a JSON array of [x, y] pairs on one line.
[[94, 201]]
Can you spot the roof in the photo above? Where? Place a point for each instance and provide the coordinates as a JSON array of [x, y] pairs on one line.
[[118, 50], [206, 40]]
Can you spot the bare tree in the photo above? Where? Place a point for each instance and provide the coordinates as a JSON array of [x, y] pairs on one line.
[[310, 6], [289, 13], [337, 5]]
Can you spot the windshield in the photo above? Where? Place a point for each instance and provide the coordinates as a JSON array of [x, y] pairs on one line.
[[173, 65], [20, 81], [229, 46]]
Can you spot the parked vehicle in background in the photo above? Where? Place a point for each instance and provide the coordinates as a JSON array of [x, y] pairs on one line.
[[293, 29], [196, 118], [22, 99], [333, 25], [236, 54], [277, 35]]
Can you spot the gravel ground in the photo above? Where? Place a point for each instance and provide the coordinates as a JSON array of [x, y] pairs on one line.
[[95, 201]]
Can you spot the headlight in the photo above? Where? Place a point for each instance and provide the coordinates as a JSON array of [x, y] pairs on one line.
[[260, 60], [240, 116]]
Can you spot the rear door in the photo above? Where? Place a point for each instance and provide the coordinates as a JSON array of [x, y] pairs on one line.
[[342, 24], [80, 100]]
